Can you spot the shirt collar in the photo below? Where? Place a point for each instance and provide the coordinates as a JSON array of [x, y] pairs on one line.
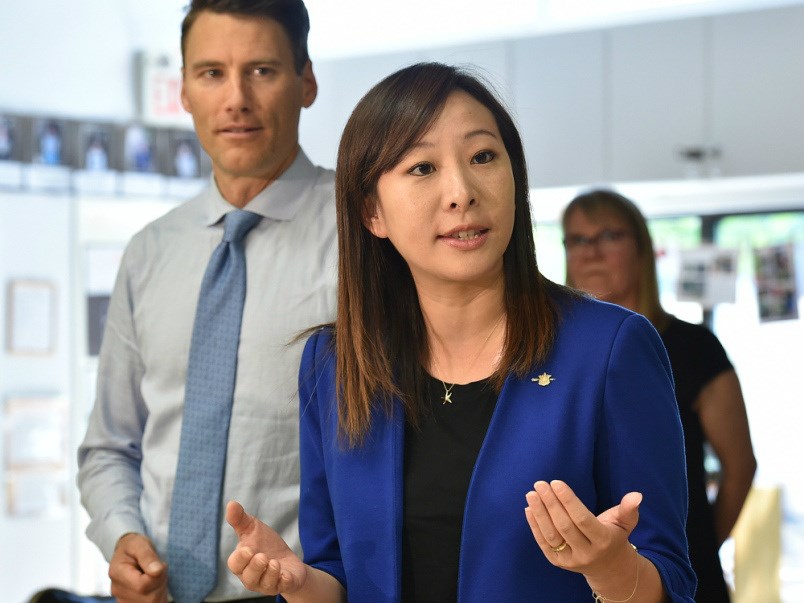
[[280, 200]]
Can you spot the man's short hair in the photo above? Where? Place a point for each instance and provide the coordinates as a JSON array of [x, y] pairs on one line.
[[290, 14]]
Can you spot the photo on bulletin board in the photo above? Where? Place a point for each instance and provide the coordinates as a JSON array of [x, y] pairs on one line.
[[185, 154], [37, 493], [775, 274], [51, 145], [9, 138], [35, 455], [35, 432], [31, 317], [707, 275], [139, 149], [95, 144]]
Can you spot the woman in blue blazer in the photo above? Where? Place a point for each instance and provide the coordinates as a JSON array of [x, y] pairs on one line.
[[469, 430]]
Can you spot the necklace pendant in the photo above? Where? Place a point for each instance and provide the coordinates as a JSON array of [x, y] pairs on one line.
[[447, 399]]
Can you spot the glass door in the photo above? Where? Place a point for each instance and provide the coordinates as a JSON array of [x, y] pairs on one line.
[[767, 355]]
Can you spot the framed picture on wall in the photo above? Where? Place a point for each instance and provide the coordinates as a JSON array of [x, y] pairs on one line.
[[9, 138], [139, 149], [35, 432], [707, 275], [185, 155], [96, 148], [51, 141], [12, 149], [37, 493], [775, 277], [31, 317], [35, 453]]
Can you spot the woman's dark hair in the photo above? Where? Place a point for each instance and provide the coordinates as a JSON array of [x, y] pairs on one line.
[[290, 14], [600, 202], [381, 341]]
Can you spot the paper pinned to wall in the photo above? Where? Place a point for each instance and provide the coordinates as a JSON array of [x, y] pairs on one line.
[[31, 325], [34, 429], [708, 275], [35, 432], [775, 274]]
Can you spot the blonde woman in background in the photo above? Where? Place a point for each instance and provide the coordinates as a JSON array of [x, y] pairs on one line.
[[610, 255]]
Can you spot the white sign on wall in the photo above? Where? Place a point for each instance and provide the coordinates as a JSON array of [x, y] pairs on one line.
[[160, 90]]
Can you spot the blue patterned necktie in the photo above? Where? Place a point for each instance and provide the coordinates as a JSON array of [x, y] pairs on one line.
[[195, 524]]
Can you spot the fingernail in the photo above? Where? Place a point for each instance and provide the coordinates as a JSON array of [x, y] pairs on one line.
[[154, 566]]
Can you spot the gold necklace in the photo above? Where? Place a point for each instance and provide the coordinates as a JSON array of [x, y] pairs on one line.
[[447, 397]]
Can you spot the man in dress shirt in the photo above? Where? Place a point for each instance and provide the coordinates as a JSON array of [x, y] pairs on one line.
[[246, 77]]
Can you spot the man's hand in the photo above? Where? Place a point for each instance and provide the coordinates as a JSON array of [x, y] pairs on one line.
[[138, 574]]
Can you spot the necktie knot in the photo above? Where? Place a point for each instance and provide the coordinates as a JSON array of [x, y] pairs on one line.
[[238, 223]]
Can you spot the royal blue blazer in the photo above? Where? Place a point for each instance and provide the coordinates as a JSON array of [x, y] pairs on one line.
[[605, 421]]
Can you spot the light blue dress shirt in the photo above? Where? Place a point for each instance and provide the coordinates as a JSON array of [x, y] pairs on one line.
[[127, 461]]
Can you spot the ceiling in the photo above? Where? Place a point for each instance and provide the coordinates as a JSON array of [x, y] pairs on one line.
[[359, 27], [342, 28]]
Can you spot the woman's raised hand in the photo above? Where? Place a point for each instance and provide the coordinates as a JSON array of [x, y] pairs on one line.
[[262, 560], [570, 535]]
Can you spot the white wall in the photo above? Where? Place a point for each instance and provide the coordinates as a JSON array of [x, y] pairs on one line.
[[74, 59], [70, 59], [35, 550]]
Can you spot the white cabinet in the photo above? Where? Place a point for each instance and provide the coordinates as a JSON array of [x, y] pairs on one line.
[[489, 60], [623, 104], [731, 86], [558, 88], [757, 116], [319, 130], [657, 92], [341, 84]]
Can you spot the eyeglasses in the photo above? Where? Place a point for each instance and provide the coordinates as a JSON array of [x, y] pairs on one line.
[[606, 240]]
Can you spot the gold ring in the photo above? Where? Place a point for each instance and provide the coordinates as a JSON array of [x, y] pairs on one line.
[[560, 547]]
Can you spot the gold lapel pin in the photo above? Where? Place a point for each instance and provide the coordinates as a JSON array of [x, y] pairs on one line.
[[544, 379]]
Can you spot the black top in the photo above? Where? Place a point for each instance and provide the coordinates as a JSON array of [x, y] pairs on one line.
[[439, 461], [697, 357]]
